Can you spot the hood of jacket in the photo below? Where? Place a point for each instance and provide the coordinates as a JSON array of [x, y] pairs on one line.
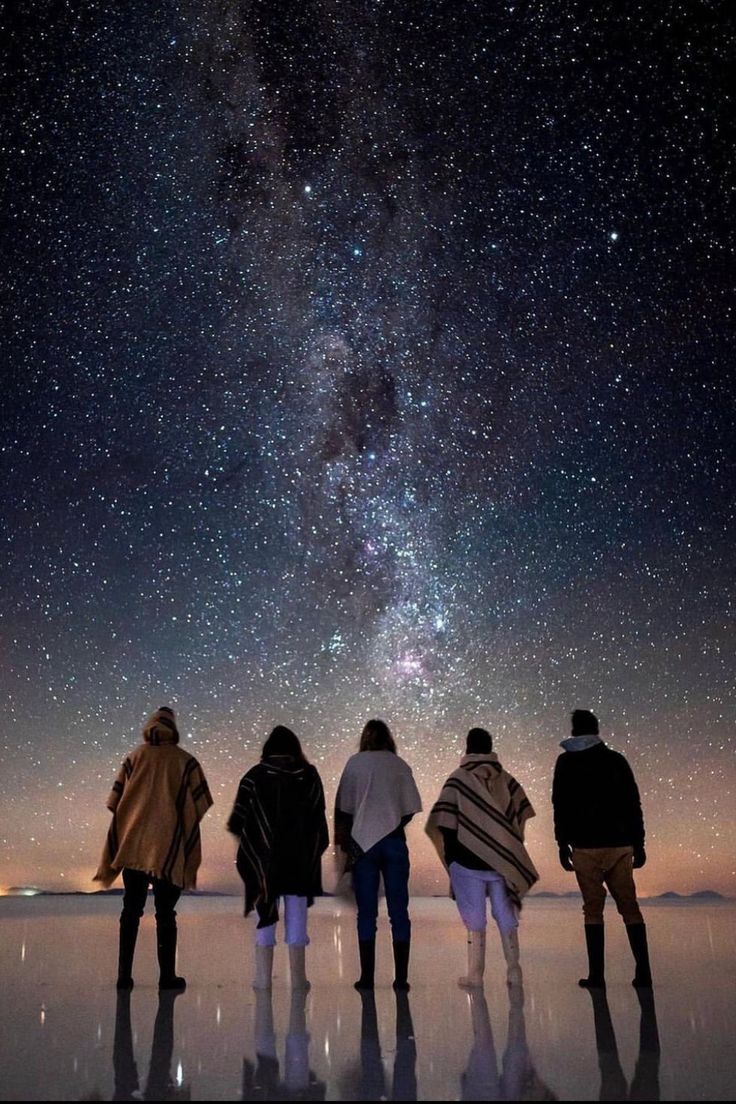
[[580, 743]]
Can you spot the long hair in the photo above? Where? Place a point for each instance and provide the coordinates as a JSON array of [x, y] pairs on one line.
[[283, 741], [376, 736]]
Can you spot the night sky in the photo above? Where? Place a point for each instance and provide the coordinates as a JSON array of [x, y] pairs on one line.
[[367, 359]]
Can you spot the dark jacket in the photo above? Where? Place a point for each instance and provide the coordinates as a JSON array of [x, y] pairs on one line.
[[279, 817], [596, 801]]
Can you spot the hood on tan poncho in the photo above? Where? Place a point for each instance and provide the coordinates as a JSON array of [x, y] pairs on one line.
[[157, 801], [488, 810]]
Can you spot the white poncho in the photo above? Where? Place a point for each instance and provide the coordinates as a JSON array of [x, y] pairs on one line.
[[377, 790]]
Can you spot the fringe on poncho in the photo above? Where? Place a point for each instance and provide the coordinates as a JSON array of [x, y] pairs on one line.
[[157, 801], [279, 819], [488, 809]]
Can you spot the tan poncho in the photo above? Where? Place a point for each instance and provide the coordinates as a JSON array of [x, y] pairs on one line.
[[157, 801], [488, 809]]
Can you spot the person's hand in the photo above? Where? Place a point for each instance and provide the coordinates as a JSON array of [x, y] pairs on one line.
[[566, 858], [640, 857]]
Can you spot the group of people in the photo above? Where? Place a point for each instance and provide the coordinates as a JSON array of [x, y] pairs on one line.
[[279, 820]]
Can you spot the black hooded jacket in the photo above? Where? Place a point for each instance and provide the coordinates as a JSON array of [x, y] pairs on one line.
[[595, 799]]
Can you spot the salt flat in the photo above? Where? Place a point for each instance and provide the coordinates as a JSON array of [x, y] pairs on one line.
[[65, 1035]]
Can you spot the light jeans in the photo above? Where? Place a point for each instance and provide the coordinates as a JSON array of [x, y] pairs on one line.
[[471, 887], [295, 925]]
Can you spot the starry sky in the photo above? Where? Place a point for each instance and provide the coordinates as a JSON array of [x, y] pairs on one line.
[[367, 359]]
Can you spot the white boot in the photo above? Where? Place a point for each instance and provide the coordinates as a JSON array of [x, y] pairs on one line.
[[476, 961], [510, 944], [297, 968], [264, 967]]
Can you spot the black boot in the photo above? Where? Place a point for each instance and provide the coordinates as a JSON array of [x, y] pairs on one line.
[[166, 947], [594, 941], [128, 937], [401, 965], [637, 934], [367, 951]]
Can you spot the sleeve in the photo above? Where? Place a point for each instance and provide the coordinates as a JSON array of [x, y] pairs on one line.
[[118, 785], [200, 791], [343, 828], [412, 800], [561, 804], [321, 813], [443, 835], [345, 797], [523, 810], [449, 844], [240, 808], [635, 815]]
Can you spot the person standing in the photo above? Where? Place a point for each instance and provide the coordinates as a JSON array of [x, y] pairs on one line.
[[279, 820], [477, 825], [157, 802], [376, 798], [599, 830]]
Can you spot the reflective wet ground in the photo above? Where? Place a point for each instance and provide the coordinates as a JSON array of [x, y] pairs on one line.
[[66, 1035]]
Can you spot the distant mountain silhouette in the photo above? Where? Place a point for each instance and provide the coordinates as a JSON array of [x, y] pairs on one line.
[[668, 895], [548, 893], [33, 891], [687, 898]]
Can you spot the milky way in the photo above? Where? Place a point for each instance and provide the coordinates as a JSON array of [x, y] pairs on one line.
[[368, 359]]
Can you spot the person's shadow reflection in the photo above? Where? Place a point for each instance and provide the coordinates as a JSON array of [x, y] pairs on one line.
[[517, 1079], [367, 1080], [645, 1082], [159, 1085], [262, 1080]]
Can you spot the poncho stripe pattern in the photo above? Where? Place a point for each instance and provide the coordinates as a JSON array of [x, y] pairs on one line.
[[157, 802], [488, 809], [279, 819]]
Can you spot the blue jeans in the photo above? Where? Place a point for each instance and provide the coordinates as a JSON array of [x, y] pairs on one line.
[[389, 857]]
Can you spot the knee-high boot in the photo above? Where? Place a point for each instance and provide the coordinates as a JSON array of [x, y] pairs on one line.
[[297, 967], [510, 944], [128, 936], [264, 968], [166, 934], [367, 952], [637, 934], [476, 961], [401, 965], [595, 943]]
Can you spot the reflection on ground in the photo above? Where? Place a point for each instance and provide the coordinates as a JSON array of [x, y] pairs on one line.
[[66, 1034]]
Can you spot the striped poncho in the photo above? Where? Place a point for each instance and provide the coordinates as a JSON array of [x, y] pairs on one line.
[[488, 809], [157, 801], [279, 819]]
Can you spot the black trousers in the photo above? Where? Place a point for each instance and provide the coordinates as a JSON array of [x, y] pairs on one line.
[[165, 896]]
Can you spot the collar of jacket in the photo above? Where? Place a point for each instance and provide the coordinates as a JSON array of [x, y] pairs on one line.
[[580, 743]]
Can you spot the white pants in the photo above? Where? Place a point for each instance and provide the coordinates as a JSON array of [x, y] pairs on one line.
[[295, 925], [471, 888]]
